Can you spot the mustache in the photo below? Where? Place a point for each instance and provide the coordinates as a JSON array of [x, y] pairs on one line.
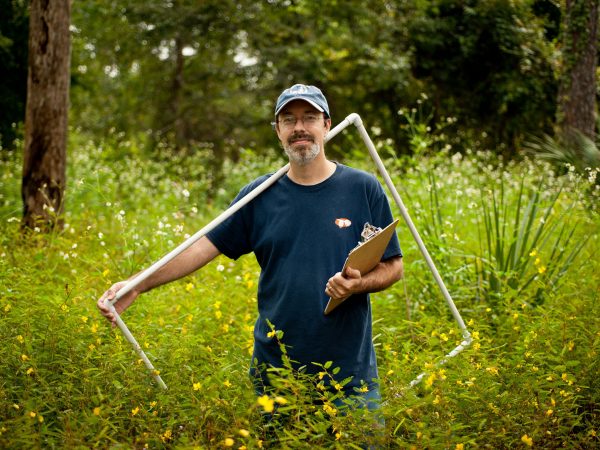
[[300, 136]]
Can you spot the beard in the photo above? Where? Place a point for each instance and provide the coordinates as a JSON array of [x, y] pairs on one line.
[[304, 154]]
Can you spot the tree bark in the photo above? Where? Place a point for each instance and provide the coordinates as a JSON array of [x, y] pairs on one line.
[[44, 165], [577, 90]]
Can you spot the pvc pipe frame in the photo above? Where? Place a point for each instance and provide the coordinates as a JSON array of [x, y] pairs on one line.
[[352, 119]]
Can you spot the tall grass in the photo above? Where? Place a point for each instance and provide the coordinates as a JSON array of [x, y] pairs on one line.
[[67, 380]]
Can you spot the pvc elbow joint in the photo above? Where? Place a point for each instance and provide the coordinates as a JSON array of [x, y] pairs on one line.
[[354, 119]]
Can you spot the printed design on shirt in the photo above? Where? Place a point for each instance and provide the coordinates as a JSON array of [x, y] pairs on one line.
[[343, 222]]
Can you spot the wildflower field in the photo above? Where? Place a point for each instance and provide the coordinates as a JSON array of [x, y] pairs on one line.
[[516, 245]]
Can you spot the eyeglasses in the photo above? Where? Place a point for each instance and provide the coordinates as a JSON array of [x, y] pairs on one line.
[[308, 120]]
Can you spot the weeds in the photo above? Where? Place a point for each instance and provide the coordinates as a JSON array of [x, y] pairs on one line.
[[517, 249]]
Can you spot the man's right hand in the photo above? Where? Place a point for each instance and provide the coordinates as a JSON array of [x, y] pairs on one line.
[[122, 304]]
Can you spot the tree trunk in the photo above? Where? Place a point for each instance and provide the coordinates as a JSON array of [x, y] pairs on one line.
[[577, 90], [176, 93], [46, 114]]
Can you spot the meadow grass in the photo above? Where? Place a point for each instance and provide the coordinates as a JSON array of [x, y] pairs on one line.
[[516, 245]]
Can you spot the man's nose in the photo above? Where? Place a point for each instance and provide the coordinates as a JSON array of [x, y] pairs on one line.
[[299, 125]]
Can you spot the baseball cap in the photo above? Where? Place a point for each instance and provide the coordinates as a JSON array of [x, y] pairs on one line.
[[310, 94]]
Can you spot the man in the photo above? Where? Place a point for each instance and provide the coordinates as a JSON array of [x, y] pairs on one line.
[[301, 230]]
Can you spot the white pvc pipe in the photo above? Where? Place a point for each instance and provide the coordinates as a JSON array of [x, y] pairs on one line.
[[351, 119], [357, 121]]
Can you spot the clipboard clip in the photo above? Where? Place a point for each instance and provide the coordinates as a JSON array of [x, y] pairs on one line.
[[368, 232]]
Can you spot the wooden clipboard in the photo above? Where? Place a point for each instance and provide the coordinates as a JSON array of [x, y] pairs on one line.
[[365, 257]]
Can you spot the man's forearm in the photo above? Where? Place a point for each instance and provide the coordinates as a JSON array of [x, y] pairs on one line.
[[196, 256], [382, 276]]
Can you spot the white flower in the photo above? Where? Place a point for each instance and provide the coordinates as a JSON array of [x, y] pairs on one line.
[[220, 268]]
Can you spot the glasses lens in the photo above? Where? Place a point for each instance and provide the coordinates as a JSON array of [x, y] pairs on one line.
[[290, 121]]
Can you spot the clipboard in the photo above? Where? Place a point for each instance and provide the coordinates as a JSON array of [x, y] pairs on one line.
[[365, 257]]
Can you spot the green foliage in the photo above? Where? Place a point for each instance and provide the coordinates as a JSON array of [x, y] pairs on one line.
[[184, 74], [487, 63], [567, 151], [68, 380], [14, 28]]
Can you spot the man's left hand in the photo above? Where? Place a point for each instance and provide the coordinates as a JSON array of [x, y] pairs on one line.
[[344, 285]]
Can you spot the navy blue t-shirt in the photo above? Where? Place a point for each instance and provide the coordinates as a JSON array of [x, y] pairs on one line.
[[292, 231]]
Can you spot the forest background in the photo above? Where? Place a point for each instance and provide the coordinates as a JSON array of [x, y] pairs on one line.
[[481, 110]]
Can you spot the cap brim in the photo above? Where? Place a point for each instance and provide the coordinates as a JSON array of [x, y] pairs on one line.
[[299, 98]]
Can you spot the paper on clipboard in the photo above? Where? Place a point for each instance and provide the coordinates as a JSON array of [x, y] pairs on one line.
[[365, 257]]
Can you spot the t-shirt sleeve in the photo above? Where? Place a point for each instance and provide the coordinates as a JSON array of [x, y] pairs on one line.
[[382, 214], [233, 236]]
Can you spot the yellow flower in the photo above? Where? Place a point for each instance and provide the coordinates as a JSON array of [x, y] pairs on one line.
[[7, 307], [541, 269], [20, 339], [32, 414], [189, 287], [135, 410], [243, 432], [549, 412], [492, 370], [329, 409], [84, 319], [30, 371], [271, 333], [197, 386], [97, 411], [363, 389], [105, 272], [430, 379], [338, 435], [24, 358], [444, 337], [267, 404], [533, 252], [571, 345], [94, 327], [280, 400], [537, 261], [338, 386], [321, 375], [227, 383], [153, 404], [527, 440], [460, 447], [166, 436]]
